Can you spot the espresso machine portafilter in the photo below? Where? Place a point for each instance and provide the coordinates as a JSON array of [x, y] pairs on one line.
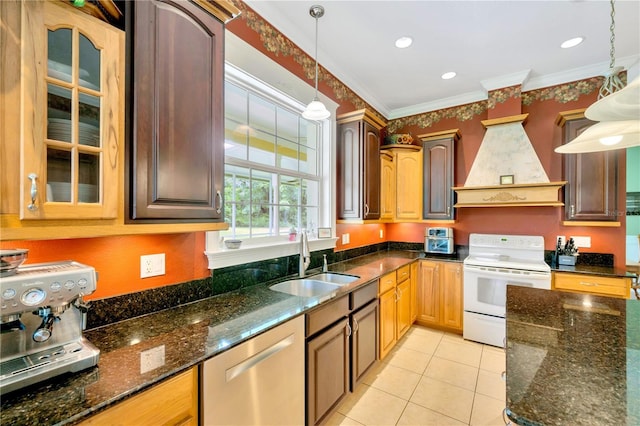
[[42, 316]]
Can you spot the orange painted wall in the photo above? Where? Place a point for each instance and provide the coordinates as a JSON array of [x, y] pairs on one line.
[[117, 259]]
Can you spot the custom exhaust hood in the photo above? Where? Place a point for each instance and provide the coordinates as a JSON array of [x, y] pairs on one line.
[[506, 170]]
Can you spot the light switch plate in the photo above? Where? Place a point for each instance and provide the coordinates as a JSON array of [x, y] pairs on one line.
[[345, 238]]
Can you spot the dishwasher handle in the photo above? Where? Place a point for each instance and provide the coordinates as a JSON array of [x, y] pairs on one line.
[[256, 359]]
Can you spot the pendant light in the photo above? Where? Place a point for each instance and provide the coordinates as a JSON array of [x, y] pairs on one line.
[[316, 109], [617, 110]]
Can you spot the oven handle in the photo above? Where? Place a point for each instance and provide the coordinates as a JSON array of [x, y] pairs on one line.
[[505, 272]]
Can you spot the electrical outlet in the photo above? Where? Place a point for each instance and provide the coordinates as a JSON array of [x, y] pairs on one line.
[[151, 359], [152, 265], [381, 233], [345, 238], [582, 241]]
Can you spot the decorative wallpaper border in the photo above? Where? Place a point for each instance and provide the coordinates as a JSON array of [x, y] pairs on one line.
[[275, 44]]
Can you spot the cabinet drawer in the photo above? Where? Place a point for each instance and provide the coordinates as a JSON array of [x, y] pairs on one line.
[[172, 402], [387, 282], [403, 273], [364, 295], [327, 315], [618, 287]]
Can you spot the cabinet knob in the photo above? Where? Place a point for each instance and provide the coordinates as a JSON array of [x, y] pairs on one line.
[[33, 192]]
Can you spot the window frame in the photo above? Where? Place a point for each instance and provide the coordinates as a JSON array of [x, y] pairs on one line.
[[263, 248]]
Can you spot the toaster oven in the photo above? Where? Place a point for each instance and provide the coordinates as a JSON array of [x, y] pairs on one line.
[[438, 240]]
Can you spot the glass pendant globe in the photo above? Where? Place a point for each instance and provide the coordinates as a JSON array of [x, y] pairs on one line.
[[316, 111]]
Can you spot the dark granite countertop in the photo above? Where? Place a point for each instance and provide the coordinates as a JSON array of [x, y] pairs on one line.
[[572, 359], [190, 334], [605, 271]]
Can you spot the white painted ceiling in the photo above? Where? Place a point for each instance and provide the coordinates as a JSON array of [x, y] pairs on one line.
[[489, 44]]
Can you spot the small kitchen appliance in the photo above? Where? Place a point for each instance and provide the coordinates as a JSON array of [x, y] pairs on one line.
[[494, 262], [438, 240], [42, 316]]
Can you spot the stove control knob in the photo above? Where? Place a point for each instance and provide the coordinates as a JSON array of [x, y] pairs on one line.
[[55, 286]]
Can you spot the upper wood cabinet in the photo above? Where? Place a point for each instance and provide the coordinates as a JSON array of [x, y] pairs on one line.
[[592, 178], [401, 186], [438, 174], [176, 123], [358, 166], [61, 91]]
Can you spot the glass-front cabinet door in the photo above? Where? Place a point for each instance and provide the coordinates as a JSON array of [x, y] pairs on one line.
[[72, 137]]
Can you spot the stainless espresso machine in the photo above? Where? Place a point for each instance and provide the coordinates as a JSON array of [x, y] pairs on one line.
[[42, 316]]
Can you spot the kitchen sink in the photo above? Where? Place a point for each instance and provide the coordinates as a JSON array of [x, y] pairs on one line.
[[334, 278], [306, 288]]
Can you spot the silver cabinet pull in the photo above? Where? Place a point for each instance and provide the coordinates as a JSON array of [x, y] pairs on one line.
[[348, 330], [573, 210], [33, 192], [366, 210], [355, 325], [251, 362], [219, 198]]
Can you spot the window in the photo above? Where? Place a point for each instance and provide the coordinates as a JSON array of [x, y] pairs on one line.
[[273, 179]]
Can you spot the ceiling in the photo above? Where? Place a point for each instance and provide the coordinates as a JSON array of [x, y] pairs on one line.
[[489, 44]]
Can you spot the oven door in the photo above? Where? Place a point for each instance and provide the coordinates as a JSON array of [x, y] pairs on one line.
[[485, 288]]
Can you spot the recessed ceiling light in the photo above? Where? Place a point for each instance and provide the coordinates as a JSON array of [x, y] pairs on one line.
[[448, 75], [572, 42], [404, 42]]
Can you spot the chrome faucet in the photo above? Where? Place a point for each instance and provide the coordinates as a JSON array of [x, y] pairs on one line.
[[305, 255]]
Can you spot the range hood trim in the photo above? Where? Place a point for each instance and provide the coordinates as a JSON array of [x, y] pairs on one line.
[[518, 195]]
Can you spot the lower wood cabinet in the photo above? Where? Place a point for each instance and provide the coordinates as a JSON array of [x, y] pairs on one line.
[[172, 402], [395, 296], [440, 295], [604, 286], [342, 345]]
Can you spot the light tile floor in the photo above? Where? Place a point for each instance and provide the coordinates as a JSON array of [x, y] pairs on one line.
[[430, 378]]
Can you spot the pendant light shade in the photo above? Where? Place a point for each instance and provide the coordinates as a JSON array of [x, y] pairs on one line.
[[617, 112], [316, 109]]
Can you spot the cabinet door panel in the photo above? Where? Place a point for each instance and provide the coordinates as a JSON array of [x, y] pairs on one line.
[[438, 179], [451, 288], [591, 189], [408, 185], [348, 169], [364, 342], [387, 322], [371, 172], [429, 293], [327, 371], [387, 186], [177, 158], [403, 322]]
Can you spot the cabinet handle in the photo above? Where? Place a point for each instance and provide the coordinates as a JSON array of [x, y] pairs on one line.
[[355, 325], [366, 210], [219, 198], [398, 296], [588, 284], [33, 192], [505, 418], [448, 211], [572, 212], [348, 330]]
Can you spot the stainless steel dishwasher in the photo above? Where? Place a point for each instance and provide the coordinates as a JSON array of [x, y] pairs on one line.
[[259, 382]]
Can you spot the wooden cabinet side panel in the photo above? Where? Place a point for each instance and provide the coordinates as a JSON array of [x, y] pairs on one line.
[[327, 371], [172, 402], [371, 172], [414, 291]]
